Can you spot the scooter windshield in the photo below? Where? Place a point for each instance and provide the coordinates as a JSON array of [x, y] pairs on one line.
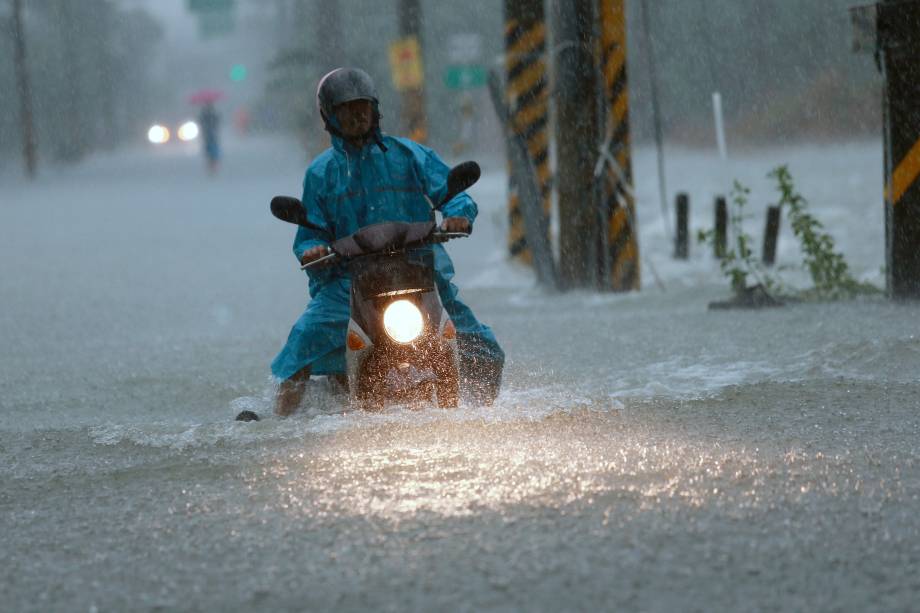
[[383, 237]]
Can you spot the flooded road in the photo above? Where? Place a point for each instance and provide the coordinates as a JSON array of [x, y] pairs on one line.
[[645, 454]]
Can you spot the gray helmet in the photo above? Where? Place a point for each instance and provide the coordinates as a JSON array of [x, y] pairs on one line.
[[344, 85]]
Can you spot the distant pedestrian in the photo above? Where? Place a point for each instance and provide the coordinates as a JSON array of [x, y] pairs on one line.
[[210, 123]]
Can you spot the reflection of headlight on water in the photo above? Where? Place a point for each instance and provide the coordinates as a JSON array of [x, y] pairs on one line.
[[500, 460], [188, 131], [158, 134], [403, 321]]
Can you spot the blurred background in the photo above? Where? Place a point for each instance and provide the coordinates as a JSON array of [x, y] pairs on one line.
[[103, 71]]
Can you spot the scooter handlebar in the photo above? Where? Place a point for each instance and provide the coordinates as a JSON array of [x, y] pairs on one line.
[[329, 258], [443, 237]]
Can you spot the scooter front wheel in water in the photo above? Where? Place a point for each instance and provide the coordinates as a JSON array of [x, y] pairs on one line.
[[368, 397], [371, 403], [448, 392]]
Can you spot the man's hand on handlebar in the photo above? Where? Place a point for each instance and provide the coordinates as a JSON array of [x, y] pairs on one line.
[[456, 224], [313, 253]]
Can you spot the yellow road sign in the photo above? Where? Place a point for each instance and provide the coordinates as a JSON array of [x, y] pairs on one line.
[[406, 64]]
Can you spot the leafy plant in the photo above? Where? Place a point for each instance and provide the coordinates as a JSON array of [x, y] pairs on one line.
[[828, 268], [738, 262], [829, 271]]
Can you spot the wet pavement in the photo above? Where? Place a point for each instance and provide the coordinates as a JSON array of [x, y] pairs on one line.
[[645, 454]]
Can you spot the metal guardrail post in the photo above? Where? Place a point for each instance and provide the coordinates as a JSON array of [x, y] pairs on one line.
[[682, 237], [720, 246], [771, 235]]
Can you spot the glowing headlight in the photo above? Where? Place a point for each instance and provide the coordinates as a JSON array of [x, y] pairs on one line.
[[188, 131], [403, 321], [158, 134]]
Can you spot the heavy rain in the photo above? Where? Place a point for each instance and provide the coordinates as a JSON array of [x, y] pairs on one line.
[[694, 241]]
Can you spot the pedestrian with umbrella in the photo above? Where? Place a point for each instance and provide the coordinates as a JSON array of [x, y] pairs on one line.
[[209, 120]]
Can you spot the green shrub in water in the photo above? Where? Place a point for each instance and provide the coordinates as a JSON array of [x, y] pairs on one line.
[[829, 271], [738, 263]]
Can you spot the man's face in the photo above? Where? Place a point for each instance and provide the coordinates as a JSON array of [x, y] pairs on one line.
[[355, 117]]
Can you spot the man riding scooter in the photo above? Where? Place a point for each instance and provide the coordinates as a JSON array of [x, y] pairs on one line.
[[367, 177]]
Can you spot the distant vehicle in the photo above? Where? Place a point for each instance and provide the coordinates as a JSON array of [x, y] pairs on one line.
[[160, 134]]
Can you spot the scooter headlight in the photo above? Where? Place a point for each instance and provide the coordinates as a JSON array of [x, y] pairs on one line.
[[403, 321]]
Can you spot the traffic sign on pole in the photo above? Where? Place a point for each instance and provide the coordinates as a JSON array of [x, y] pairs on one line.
[[209, 6], [216, 23], [215, 17], [465, 77], [406, 63]]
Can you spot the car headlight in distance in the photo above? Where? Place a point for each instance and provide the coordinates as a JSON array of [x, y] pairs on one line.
[[402, 321], [158, 134], [188, 131]]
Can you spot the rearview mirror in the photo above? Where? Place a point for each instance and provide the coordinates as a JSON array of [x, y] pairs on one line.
[[461, 177], [291, 210]]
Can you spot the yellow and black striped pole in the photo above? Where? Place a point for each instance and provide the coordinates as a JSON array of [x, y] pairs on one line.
[[898, 23], [622, 242], [528, 102]]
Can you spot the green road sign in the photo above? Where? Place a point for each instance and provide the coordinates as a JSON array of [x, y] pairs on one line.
[[211, 25], [465, 77], [207, 6]]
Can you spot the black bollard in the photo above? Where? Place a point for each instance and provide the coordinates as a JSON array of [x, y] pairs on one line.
[[770, 235], [721, 243], [682, 239]]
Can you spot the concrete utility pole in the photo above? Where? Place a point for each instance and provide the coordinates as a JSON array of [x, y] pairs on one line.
[[619, 257], [413, 108], [24, 86], [528, 104], [577, 136], [898, 47]]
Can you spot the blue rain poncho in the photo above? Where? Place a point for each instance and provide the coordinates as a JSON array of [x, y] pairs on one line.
[[345, 189]]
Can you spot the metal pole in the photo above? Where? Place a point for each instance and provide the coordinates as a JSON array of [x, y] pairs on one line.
[[413, 109], [656, 116], [771, 235], [24, 87], [721, 236], [682, 239], [577, 137]]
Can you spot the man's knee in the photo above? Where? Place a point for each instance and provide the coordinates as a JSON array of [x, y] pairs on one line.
[[301, 376]]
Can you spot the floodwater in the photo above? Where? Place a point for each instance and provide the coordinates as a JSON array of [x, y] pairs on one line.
[[645, 453]]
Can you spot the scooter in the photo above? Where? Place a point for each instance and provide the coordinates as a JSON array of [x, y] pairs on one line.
[[401, 345]]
